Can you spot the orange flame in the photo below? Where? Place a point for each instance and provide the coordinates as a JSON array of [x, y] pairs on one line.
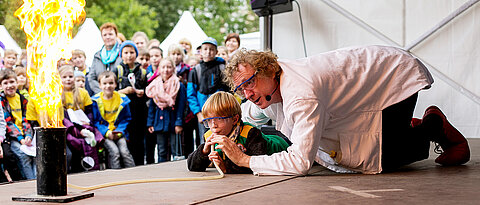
[[48, 26]]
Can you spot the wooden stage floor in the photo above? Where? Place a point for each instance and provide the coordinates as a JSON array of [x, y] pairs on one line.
[[420, 183]]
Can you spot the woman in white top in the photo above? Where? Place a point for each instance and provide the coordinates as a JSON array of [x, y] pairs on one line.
[[349, 110]]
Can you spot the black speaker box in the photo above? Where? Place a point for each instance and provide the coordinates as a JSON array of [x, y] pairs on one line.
[[270, 7]]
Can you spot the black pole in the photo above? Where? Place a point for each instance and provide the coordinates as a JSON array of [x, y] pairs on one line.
[[51, 161]]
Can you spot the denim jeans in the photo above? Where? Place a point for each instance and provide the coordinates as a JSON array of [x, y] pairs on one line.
[[201, 132], [69, 159], [116, 149], [162, 142], [27, 163]]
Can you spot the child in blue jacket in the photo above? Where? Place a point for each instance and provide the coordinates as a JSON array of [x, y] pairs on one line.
[[204, 80], [111, 115]]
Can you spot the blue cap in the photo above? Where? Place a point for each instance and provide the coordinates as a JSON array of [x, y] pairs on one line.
[[128, 43], [78, 73], [210, 40]]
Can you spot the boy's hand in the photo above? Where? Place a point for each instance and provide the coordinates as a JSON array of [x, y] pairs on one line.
[[1, 151], [127, 90], [117, 135], [140, 93], [28, 141], [207, 145], [215, 157], [150, 129], [109, 136], [178, 129], [231, 150]]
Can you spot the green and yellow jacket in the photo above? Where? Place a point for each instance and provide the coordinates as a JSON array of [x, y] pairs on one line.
[[248, 138]]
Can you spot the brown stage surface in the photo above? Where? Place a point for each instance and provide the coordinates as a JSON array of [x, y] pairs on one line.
[[420, 183]]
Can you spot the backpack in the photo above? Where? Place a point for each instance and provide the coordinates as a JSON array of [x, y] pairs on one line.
[[120, 74], [198, 69]]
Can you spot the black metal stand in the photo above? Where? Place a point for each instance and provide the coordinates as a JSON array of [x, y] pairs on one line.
[[51, 168]]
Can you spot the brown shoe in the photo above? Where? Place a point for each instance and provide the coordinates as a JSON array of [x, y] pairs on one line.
[[454, 145]]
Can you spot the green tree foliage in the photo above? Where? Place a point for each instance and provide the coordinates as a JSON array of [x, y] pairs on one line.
[[154, 17], [168, 13], [220, 17], [129, 16], [11, 23], [216, 17]]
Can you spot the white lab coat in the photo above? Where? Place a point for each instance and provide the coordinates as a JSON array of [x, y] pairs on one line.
[[333, 102]]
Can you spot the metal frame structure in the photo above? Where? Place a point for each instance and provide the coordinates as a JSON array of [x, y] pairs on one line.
[[469, 94]]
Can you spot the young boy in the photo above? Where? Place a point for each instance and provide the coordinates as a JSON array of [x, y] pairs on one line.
[[143, 58], [78, 59], [79, 79], [111, 115], [156, 55], [19, 131], [205, 79], [8, 160], [9, 58], [127, 69], [222, 115]]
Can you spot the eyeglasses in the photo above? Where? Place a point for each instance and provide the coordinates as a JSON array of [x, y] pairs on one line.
[[248, 84], [217, 120]]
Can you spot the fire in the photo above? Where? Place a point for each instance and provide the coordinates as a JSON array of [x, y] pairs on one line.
[[48, 26]]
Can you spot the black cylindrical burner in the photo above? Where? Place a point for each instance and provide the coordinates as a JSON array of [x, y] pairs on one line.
[[51, 161]]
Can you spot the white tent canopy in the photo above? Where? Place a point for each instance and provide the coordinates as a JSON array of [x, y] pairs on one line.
[[451, 53], [187, 28], [8, 41], [250, 41], [88, 39]]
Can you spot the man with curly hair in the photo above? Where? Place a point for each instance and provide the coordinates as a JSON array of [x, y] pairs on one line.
[[350, 110]]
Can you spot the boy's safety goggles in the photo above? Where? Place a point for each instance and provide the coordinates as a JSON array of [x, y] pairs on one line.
[[208, 122]]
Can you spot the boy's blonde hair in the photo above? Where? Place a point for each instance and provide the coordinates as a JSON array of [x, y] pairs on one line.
[[78, 52], [221, 104], [176, 48], [220, 48], [10, 52]]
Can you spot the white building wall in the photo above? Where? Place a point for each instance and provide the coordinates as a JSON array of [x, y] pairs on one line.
[[453, 51]]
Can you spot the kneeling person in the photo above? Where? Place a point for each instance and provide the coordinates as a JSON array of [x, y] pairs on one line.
[[222, 115]]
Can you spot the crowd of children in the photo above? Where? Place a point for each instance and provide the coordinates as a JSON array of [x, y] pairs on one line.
[[132, 101]]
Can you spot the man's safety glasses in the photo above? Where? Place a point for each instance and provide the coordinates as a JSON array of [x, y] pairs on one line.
[[248, 84]]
